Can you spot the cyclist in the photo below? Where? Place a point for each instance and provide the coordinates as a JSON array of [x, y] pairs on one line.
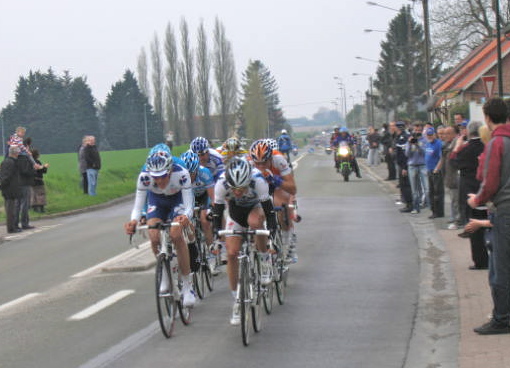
[[232, 148], [167, 187], [203, 189], [344, 136], [209, 157], [278, 174], [285, 144], [249, 204]]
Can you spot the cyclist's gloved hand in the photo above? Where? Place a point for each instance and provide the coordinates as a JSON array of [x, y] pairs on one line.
[[274, 180]]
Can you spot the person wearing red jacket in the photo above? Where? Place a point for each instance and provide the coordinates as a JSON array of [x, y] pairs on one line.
[[494, 173]]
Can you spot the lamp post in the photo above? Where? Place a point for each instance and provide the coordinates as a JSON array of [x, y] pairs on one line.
[[341, 87], [371, 104], [498, 35], [145, 121]]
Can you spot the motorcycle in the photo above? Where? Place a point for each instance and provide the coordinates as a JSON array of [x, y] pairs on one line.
[[328, 150], [294, 150], [344, 160]]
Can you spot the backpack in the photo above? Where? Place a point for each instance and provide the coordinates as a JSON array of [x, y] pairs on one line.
[[284, 143]]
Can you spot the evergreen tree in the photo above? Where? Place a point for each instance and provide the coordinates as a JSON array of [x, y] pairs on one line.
[[254, 108], [126, 113]]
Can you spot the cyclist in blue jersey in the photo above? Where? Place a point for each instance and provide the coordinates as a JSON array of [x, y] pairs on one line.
[[202, 182], [209, 157]]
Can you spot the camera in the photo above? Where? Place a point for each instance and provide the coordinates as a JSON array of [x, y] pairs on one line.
[[415, 137]]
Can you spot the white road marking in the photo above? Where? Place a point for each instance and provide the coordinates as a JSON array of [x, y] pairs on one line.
[[100, 305], [126, 254], [25, 233], [18, 301]]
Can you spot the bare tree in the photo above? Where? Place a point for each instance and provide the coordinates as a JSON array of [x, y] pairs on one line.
[[172, 84], [203, 72], [187, 80], [143, 73], [459, 26], [225, 76], [157, 78]]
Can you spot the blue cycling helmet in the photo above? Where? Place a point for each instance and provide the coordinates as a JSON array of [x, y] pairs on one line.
[[160, 147], [159, 163], [199, 145], [191, 161]]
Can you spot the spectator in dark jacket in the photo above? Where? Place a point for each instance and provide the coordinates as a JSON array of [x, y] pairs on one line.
[[11, 189], [82, 165], [93, 160], [27, 176], [466, 153], [400, 143], [387, 142]]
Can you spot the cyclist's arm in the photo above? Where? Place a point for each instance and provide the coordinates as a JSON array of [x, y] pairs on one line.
[[140, 198], [289, 184]]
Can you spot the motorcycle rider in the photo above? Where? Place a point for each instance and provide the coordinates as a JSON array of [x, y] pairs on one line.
[[344, 136]]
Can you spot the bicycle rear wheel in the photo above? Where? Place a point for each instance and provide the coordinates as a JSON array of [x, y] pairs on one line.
[[206, 268], [244, 300], [198, 275], [184, 312], [165, 300], [256, 297]]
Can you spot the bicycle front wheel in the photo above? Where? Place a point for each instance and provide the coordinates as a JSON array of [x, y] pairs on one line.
[[256, 297], [184, 312], [244, 300], [165, 300], [281, 270], [198, 275]]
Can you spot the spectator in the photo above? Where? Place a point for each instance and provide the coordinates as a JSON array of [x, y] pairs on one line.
[[466, 153], [17, 139], [169, 139], [374, 140], [387, 142], [11, 188], [415, 152], [433, 150], [38, 190], [495, 188], [82, 165], [27, 177], [93, 161], [403, 178], [451, 177]]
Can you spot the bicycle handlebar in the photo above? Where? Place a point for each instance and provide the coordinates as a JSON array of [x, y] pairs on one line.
[[242, 232], [159, 225]]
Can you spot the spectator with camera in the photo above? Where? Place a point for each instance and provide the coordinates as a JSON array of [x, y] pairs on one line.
[[417, 171]]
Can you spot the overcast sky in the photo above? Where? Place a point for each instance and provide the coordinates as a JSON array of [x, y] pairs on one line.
[[303, 43]]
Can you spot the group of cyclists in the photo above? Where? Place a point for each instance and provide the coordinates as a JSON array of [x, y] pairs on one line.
[[235, 189]]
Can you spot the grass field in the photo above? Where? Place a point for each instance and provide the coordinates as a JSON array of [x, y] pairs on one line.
[[117, 178]]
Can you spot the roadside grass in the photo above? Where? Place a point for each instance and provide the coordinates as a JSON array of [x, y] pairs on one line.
[[117, 178]]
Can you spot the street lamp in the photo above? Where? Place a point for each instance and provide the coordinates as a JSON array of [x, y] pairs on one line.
[[368, 30], [381, 6], [371, 106], [341, 86], [362, 58]]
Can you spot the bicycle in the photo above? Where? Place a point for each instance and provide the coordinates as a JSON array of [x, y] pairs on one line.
[[203, 276], [169, 296], [249, 288], [280, 267]]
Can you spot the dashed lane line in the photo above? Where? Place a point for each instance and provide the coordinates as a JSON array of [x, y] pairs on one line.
[[20, 300], [100, 305]]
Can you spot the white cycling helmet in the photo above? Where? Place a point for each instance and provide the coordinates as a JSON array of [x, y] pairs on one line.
[[284, 131], [238, 173]]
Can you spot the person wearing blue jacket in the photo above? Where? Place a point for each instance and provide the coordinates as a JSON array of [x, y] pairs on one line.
[[433, 162], [415, 152]]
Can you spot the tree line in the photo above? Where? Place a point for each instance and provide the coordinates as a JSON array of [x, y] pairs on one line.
[[180, 88]]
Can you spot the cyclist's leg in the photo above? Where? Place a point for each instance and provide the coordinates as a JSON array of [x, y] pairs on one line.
[[206, 227], [154, 234], [256, 221]]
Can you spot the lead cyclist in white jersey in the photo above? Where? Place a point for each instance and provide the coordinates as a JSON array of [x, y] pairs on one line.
[[246, 193], [167, 188]]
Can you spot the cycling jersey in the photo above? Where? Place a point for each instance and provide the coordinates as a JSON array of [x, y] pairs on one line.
[[215, 164], [176, 198], [203, 181], [279, 165], [258, 191]]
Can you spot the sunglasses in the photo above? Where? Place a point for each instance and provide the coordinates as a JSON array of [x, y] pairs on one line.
[[203, 153], [160, 177]]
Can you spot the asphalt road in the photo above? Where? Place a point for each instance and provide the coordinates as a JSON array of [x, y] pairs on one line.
[[351, 299]]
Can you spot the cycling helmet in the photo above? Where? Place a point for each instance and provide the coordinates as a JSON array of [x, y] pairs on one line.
[[160, 147], [272, 143], [238, 173], [199, 145], [284, 131], [260, 151], [191, 161], [232, 145], [159, 163]]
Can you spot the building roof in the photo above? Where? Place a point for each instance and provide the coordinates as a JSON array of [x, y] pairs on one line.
[[470, 69]]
